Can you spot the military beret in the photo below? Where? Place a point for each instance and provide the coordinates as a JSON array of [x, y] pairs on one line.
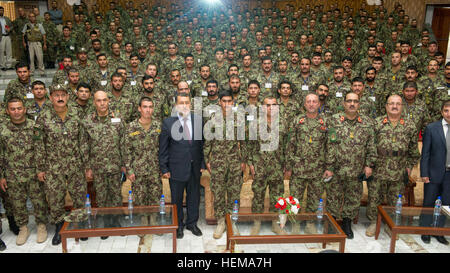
[[58, 87]]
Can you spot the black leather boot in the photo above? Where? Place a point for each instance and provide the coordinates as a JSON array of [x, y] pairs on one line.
[[347, 227], [57, 238], [12, 225], [2, 245]]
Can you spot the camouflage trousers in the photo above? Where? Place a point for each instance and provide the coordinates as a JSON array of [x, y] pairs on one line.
[[267, 176], [56, 187], [314, 187], [108, 189], [379, 191], [344, 197], [147, 189], [226, 184], [21, 186], [6, 201]]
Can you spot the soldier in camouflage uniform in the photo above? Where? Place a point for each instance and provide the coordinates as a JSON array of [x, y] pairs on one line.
[[442, 94], [351, 152], [58, 157], [367, 104], [266, 159], [322, 93], [103, 142], [224, 158], [159, 103], [268, 78], [397, 153], [305, 154], [289, 108], [305, 81], [338, 88], [67, 44], [140, 155], [414, 108], [173, 61], [83, 102], [429, 83], [39, 103], [121, 100], [62, 76], [18, 176], [52, 41], [20, 87]]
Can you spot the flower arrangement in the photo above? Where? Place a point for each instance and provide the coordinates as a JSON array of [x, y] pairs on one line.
[[289, 207]]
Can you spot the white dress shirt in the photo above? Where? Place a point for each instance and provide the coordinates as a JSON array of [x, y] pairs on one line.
[[445, 127], [189, 123]]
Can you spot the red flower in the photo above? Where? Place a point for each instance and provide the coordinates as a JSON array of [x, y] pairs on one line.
[[287, 211]]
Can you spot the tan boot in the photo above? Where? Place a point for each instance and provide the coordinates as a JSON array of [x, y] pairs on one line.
[[154, 222], [23, 235], [370, 231], [256, 227], [310, 228], [276, 228], [219, 229], [41, 233], [388, 231]]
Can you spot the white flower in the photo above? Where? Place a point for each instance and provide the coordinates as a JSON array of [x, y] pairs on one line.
[[296, 201], [294, 209], [281, 202]]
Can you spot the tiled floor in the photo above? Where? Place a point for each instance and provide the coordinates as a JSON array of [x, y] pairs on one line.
[[206, 243]]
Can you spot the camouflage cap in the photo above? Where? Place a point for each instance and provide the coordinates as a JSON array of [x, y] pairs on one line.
[[141, 45], [58, 87]]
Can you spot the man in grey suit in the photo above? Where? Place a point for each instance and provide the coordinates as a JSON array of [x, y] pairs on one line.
[[435, 167], [6, 27]]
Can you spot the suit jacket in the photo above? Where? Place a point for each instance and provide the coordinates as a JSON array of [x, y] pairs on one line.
[[177, 156], [434, 153], [9, 24]]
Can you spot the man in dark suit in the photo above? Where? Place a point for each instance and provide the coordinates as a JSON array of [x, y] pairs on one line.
[[181, 161], [435, 167]]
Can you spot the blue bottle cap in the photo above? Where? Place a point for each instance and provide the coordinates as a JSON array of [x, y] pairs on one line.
[[129, 192], [439, 197], [320, 200], [87, 195], [399, 195], [235, 201], [162, 196]]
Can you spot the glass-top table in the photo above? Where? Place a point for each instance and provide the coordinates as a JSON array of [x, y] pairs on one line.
[[120, 221], [412, 220], [305, 229]]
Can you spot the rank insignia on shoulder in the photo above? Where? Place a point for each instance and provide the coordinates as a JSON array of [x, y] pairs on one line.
[[359, 119], [135, 133], [158, 131], [402, 121], [302, 120], [321, 121], [385, 120], [342, 118]]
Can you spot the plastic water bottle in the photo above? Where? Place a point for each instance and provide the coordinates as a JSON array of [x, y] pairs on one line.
[[130, 201], [88, 205], [437, 206], [320, 209], [162, 205], [398, 205], [234, 216]]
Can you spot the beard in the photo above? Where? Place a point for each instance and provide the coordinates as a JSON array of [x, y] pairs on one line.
[[322, 97], [148, 90], [370, 79]]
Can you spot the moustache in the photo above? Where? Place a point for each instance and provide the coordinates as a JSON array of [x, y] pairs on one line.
[[322, 97], [60, 101]]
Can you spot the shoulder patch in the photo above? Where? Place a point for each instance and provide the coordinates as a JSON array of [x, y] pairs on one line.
[[359, 119], [385, 120], [342, 118], [402, 121]]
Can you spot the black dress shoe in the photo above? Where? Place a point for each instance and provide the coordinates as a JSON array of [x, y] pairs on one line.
[[180, 233], [195, 230], [2, 245], [347, 227], [425, 238], [57, 238], [84, 239], [441, 239], [104, 237]]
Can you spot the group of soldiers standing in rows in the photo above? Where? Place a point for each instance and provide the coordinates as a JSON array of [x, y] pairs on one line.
[[350, 94]]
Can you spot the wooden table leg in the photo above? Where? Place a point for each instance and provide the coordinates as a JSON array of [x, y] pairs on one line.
[[64, 244], [174, 245], [342, 246], [232, 246], [393, 239], [324, 244], [377, 231]]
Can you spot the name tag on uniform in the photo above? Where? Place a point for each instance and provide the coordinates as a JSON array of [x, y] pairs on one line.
[[212, 111], [204, 93], [115, 120], [440, 87], [72, 48], [30, 96], [189, 82], [279, 54], [305, 88], [133, 82], [372, 98], [250, 117], [66, 82], [104, 83], [268, 85], [338, 94], [198, 60], [234, 108]]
